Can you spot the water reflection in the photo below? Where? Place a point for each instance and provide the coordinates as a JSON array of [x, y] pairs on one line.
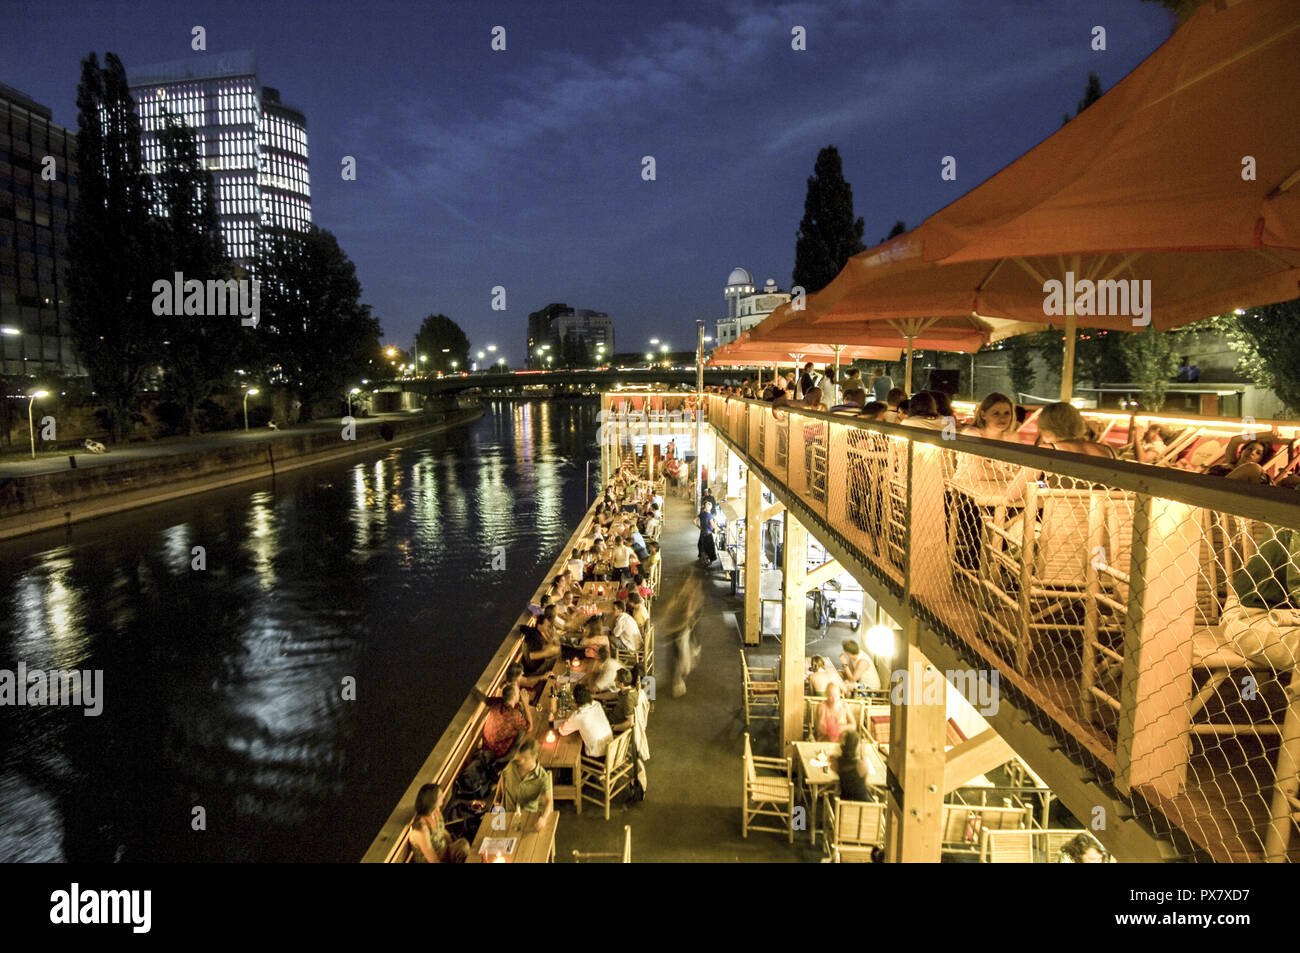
[[224, 686]]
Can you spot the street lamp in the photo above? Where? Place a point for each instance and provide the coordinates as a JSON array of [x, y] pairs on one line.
[[391, 352], [247, 394], [453, 365], [31, 427], [10, 332], [355, 390], [654, 340], [492, 347]]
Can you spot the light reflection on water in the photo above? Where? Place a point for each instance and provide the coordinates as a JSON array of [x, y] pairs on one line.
[[223, 687]]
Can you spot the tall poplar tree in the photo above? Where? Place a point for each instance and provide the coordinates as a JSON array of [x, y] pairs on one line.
[[112, 244], [199, 351], [828, 233]]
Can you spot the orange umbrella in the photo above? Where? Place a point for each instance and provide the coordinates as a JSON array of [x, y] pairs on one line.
[[747, 351], [1170, 199]]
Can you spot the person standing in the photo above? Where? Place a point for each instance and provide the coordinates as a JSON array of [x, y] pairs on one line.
[[680, 618], [881, 385], [707, 547], [806, 382]]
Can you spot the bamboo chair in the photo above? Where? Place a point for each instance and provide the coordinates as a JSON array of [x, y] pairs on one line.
[[608, 776], [762, 691], [852, 829], [963, 825], [625, 857], [767, 795], [1024, 846]]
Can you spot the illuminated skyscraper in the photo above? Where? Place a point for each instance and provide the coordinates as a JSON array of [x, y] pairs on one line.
[[254, 145]]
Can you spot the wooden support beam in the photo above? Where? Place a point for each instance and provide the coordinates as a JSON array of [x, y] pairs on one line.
[[794, 617], [753, 557], [974, 757], [917, 764], [776, 509], [822, 573], [1157, 676]]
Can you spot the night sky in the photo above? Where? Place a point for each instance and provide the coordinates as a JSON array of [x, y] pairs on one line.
[[523, 168]]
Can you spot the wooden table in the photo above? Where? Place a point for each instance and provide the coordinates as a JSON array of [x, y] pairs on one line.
[[816, 777], [565, 752], [531, 846]]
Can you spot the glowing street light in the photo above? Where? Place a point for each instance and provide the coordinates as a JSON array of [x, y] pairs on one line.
[[654, 340], [480, 355], [355, 390], [252, 391], [10, 332], [391, 352], [31, 428], [492, 347]]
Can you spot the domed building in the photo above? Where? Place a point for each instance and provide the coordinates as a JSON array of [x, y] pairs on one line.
[[747, 306]]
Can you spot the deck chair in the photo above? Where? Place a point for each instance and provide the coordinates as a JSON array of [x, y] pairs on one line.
[[766, 794], [963, 825], [605, 778], [852, 829]]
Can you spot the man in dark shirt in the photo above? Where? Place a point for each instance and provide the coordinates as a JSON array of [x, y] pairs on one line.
[[806, 382], [708, 548]]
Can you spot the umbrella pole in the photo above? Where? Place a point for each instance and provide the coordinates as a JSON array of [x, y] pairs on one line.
[[907, 375], [1067, 365], [835, 384]]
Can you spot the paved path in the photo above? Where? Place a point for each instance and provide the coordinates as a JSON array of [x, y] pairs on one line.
[[13, 465]]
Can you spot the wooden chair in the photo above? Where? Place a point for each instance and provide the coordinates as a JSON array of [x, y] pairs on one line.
[[963, 825], [762, 691], [769, 795], [1034, 570], [611, 775], [625, 857], [852, 829], [645, 657], [1024, 846], [858, 708]]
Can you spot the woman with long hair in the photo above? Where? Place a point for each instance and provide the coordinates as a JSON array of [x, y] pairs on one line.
[[430, 841]]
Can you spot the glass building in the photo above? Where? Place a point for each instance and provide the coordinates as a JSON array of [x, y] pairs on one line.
[[35, 340], [254, 145]]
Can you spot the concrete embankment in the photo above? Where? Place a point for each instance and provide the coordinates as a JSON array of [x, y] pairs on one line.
[[30, 504]]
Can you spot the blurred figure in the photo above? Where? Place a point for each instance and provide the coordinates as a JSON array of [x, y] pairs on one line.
[[681, 615]]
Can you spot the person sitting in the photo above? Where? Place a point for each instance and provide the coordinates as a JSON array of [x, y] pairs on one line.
[[508, 721], [942, 402], [822, 675], [589, 720], [526, 785], [1147, 443], [1062, 427], [874, 410], [429, 839], [1245, 462], [859, 668], [995, 419], [653, 523], [625, 699], [833, 717], [854, 400], [1081, 850], [625, 632], [638, 546], [923, 413], [539, 655], [621, 555], [812, 399], [852, 768], [594, 637], [895, 397], [636, 608], [1261, 617], [604, 674]]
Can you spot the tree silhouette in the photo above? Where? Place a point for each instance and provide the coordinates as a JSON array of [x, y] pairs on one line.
[[828, 233]]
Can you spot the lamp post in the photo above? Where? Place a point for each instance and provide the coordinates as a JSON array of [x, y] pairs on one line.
[[699, 413], [251, 392], [355, 390], [31, 427]]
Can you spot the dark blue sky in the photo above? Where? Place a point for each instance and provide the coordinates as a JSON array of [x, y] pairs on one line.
[[523, 168]]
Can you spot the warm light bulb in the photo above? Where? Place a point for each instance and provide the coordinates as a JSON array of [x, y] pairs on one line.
[[880, 641]]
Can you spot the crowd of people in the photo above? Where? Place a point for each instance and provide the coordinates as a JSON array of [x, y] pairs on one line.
[[620, 548]]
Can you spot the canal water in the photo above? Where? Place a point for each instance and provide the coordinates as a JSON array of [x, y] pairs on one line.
[[274, 705]]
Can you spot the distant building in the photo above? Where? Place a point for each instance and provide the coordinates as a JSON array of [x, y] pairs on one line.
[[35, 340], [746, 307], [550, 328], [254, 145]]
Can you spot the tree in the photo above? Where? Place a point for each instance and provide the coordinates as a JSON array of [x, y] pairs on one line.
[[898, 229], [828, 233], [1090, 95], [317, 336], [199, 351], [1020, 365], [1152, 360], [439, 333], [112, 244], [1268, 342]]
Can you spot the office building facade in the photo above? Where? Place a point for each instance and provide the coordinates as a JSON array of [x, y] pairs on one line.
[[746, 306], [254, 145], [550, 328], [35, 338]]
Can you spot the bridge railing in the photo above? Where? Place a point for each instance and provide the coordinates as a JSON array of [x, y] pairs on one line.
[[1149, 617]]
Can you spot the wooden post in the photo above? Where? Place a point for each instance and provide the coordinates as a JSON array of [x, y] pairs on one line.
[[917, 761], [1152, 747], [1067, 363], [1285, 805], [794, 617], [753, 557]]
